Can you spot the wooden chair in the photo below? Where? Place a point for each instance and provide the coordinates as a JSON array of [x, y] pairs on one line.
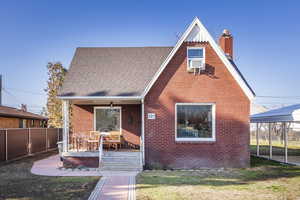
[[114, 140], [93, 141]]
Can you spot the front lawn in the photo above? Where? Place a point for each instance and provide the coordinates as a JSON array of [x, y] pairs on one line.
[[263, 180], [17, 183]]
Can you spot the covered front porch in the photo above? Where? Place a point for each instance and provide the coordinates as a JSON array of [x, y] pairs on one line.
[[99, 131]]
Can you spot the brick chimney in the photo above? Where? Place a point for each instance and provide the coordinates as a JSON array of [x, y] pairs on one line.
[[24, 107], [226, 43]]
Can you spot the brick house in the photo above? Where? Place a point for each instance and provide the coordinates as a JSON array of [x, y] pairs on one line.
[[18, 118], [185, 106]]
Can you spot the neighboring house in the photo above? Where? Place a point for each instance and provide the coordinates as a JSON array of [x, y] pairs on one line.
[[186, 106], [18, 118]]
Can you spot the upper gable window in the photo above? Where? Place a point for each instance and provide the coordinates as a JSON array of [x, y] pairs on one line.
[[196, 57]]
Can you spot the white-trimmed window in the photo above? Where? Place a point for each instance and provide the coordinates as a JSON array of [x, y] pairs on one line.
[[107, 119], [195, 121], [195, 57]]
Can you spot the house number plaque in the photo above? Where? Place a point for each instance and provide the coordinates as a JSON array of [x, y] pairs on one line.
[[151, 116]]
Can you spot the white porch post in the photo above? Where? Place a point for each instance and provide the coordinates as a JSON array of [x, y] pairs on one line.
[[257, 139], [285, 142], [143, 134], [270, 140], [65, 110]]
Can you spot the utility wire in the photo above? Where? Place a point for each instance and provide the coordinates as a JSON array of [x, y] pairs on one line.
[[12, 95], [25, 91], [280, 97], [28, 105]]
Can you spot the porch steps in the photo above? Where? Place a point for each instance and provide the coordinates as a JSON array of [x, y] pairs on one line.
[[121, 161]]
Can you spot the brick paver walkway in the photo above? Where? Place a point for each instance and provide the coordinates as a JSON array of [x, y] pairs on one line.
[[114, 188]]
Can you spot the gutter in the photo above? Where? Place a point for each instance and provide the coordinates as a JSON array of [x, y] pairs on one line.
[[100, 97]]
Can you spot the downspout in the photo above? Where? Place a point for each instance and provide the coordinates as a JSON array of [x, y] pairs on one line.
[[143, 133]]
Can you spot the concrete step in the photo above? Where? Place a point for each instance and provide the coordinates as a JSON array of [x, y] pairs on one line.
[[120, 158], [121, 161], [120, 164], [120, 154], [115, 168]]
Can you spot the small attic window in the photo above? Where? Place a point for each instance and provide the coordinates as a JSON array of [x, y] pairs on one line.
[[196, 57]]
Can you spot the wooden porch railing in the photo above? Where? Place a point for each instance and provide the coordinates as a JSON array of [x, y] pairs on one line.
[[100, 150]]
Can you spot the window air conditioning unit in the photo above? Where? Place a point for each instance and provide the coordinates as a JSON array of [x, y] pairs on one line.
[[197, 64]]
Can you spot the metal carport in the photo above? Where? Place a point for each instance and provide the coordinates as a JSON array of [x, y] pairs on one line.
[[276, 134]]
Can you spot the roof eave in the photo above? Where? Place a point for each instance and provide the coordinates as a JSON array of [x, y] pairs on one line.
[[22, 116], [100, 97]]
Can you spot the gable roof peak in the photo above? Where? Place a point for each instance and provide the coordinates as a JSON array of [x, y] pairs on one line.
[[201, 34]]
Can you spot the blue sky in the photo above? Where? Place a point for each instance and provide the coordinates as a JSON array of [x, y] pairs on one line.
[[266, 38]]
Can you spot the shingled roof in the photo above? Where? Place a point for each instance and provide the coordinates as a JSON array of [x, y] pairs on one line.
[[6, 111], [130, 72], [112, 71]]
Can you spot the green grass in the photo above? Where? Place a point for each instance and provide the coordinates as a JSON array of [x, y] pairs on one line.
[[263, 180], [17, 183]]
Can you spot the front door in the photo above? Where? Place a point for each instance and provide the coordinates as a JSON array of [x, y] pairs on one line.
[[107, 119]]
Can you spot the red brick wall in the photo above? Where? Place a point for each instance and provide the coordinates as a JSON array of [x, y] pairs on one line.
[[70, 162], [82, 120], [217, 86]]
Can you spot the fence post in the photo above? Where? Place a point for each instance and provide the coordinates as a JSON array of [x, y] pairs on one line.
[[6, 153], [257, 138], [29, 142], [285, 142], [58, 131], [46, 140], [270, 141]]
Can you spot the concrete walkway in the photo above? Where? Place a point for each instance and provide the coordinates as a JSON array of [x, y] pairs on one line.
[[52, 166], [113, 185]]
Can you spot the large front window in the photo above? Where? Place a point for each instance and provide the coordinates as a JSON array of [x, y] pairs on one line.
[[195, 122], [108, 119]]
